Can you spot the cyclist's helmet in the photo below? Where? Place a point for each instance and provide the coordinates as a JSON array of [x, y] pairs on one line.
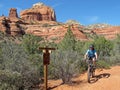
[[91, 46]]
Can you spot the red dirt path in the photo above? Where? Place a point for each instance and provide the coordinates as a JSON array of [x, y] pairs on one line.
[[105, 80]]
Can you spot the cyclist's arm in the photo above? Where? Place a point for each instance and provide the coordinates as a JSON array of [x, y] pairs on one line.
[[96, 56], [86, 54]]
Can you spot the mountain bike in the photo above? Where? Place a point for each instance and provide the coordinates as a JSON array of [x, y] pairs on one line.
[[91, 69]]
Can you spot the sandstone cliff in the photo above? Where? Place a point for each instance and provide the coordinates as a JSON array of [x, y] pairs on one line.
[[108, 32], [11, 24], [39, 12], [3, 24], [13, 13]]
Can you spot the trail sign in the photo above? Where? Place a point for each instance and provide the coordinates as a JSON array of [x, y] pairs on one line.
[[46, 58], [46, 62], [46, 54]]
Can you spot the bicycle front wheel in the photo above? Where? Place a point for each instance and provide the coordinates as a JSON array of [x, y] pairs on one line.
[[88, 75]]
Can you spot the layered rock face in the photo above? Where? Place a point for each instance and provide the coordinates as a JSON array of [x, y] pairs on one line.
[[39, 12], [15, 29], [108, 32], [55, 32], [11, 24], [13, 16], [3, 24]]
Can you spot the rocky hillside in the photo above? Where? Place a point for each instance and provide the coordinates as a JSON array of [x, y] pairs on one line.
[[54, 32], [108, 32], [40, 20]]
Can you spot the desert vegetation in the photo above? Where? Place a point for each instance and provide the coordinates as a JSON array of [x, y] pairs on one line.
[[21, 64]]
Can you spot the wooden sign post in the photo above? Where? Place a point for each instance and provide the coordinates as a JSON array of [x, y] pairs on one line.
[[46, 62]]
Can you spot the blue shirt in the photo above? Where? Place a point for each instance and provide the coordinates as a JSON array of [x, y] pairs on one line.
[[91, 53]]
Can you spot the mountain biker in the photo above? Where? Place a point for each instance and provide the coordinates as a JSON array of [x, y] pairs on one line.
[[91, 53]]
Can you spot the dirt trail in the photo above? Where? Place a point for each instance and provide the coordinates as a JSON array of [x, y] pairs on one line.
[[105, 80]]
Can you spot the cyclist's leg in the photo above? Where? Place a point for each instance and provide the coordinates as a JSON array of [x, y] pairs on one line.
[[94, 67], [94, 61]]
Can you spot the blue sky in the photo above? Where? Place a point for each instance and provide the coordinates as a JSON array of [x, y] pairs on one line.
[[84, 11]]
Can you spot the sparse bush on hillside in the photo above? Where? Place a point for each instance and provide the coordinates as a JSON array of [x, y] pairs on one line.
[[82, 46], [70, 22], [68, 42], [103, 64], [64, 65], [116, 49], [99, 25], [103, 47], [16, 72], [37, 61], [46, 25], [9, 80], [31, 43], [115, 57]]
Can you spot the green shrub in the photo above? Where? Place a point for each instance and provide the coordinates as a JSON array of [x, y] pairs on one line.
[[68, 42], [64, 65], [16, 69], [103, 47], [31, 43], [9, 80], [103, 64]]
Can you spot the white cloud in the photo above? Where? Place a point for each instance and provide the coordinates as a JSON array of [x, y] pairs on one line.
[[93, 18], [56, 5]]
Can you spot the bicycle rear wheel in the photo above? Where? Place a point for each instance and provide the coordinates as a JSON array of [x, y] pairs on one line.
[[93, 72]]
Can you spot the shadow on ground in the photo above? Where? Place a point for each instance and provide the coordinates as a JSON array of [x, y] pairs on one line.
[[97, 77], [78, 82], [55, 86]]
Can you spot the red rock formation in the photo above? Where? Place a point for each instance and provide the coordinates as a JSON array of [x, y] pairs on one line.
[[3, 24], [109, 32], [44, 24], [54, 33], [13, 13], [13, 16], [10, 25], [15, 29], [39, 12]]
